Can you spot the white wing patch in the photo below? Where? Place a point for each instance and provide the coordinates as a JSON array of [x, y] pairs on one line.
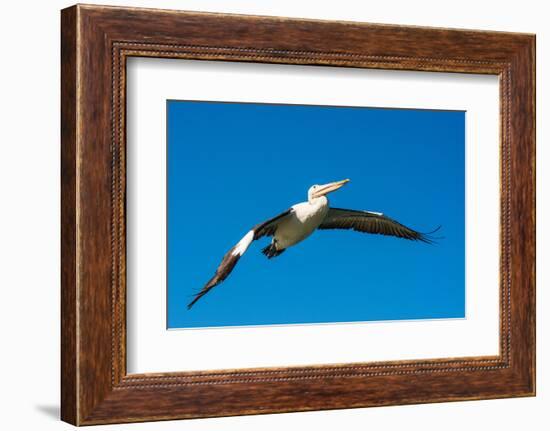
[[243, 244]]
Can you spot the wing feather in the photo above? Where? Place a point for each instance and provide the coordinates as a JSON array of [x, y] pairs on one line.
[[372, 222], [267, 228]]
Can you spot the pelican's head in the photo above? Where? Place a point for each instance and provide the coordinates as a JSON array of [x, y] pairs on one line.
[[316, 191]]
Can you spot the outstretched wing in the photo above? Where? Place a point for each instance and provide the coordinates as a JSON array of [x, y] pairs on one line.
[[231, 258], [371, 222]]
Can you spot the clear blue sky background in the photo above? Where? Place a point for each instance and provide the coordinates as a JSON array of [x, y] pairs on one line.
[[232, 165]]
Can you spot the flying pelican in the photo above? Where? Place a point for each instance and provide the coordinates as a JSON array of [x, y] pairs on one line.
[[299, 222]]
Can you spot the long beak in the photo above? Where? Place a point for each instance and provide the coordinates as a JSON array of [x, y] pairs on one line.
[[330, 187]]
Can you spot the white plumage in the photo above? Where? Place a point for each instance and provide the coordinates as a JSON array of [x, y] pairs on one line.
[[243, 244], [304, 219]]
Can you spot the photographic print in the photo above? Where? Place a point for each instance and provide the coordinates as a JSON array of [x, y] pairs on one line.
[[318, 215], [299, 214]]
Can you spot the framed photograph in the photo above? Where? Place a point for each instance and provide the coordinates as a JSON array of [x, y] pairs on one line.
[[264, 215]]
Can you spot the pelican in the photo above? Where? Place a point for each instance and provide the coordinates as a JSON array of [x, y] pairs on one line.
[[300, 221]]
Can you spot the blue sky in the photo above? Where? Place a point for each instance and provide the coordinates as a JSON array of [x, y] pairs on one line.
[[232, 165]]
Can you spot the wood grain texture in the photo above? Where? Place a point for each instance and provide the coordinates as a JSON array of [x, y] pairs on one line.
[[69, 366], [96, 41]]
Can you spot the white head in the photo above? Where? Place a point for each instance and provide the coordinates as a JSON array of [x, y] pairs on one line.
[[317, 191]]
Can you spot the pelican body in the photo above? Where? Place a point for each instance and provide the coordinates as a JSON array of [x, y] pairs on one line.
[[300, 221]]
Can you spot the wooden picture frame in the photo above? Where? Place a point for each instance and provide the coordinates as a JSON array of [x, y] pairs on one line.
[[95, 43]]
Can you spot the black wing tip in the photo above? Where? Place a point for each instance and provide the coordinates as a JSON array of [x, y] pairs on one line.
[[228, 263], [434, 231], [194, 301], [198, 295], [428, 238]]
